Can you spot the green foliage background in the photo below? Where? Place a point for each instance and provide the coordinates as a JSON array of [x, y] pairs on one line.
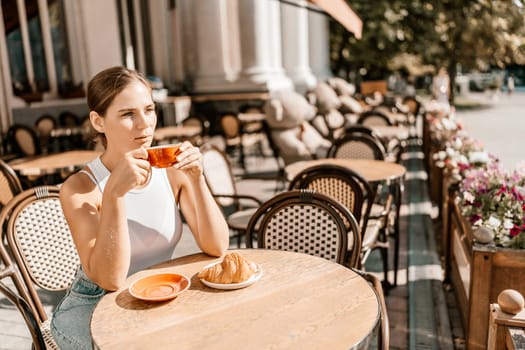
[[416, 36]]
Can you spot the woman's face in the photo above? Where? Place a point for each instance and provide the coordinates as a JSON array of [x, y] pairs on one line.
[[129, 122]]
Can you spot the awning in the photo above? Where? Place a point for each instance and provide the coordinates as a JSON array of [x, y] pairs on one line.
[[343, 14]]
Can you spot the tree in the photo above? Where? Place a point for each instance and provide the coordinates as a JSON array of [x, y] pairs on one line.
[[476, 34]]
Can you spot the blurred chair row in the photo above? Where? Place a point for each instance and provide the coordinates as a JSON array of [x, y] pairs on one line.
[[49, 135]]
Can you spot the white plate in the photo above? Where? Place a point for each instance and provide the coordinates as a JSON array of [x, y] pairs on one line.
[[229, 286]]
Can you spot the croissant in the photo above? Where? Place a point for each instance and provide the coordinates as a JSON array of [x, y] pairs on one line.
[[234, 268]]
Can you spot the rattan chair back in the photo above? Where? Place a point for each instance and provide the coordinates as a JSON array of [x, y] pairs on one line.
[[374, 118], [218, 174], [342, 184], [23, 140], [42, 249], [38, 236], [237, 208], [357, 146], [307, 222], [231, 128], [43, 126], [68, 119]]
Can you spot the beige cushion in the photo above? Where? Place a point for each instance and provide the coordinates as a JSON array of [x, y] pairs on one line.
[[313, 140], [291, 148], [299, 143], [326, 98], [341, 86], [350, 105], [287, 109]]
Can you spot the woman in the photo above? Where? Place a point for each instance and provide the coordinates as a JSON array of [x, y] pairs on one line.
[[124, 214], [440, 86]]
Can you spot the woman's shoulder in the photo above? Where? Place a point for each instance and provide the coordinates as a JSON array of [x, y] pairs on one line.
[[80, 182]]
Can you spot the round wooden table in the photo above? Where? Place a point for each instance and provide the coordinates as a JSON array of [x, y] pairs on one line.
[[371, 170], [53, 163], [301, 302]]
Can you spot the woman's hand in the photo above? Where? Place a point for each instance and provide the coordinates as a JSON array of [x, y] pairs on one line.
[[189, 160], [131, 171]]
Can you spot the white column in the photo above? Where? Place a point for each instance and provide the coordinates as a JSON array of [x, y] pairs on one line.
[[22, 18], [319, 34], [76, 41], [100, 35], [260, 38], [48, 48], [177, 72], [215, 69], [160, 27], [6, 88], [294, 22]]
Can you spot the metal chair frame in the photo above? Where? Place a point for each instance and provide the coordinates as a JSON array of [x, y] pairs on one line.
[[238, 136], [383, 339], [39, 253], [225, 192], [342, 148], [355, 193], [306, 206]]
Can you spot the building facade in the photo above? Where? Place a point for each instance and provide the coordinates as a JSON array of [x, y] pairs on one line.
[[51, 48]]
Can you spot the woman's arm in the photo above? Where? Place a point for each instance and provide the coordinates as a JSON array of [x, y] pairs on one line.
[[98, 222], [203, 215]]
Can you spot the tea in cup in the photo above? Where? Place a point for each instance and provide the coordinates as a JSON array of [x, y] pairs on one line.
[[163, 156]]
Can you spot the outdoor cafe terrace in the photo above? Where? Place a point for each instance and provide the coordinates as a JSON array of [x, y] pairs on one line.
[[428, 229]]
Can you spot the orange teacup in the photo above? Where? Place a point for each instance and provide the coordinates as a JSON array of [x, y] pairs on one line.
[[163, 156]]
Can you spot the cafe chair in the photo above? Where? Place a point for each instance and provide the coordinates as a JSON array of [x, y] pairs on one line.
[[202, 124], [43, 126], [383, 338], [357, 146], [10, 185], [360, 129], [23, 141], [354, 192], [374, 118], [39, 253], [236, 207], [388, 194], [239, 137], [307, 222], [68, 119]]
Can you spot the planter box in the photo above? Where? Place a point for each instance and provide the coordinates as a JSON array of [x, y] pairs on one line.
[[478, 274], [371, 86]]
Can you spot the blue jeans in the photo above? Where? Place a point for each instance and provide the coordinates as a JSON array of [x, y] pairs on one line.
[[70, 324]]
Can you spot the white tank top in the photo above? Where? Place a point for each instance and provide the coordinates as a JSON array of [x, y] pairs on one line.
[[154, 222]]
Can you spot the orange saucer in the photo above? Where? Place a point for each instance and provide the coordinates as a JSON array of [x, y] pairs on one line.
[[159, 287]]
